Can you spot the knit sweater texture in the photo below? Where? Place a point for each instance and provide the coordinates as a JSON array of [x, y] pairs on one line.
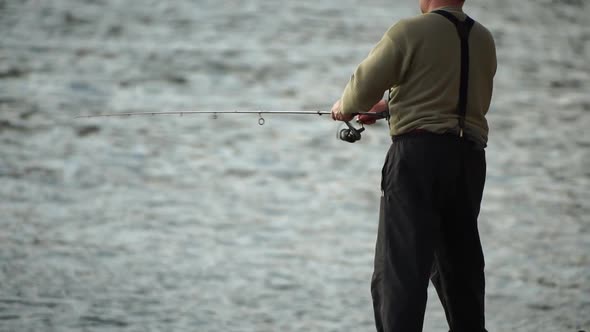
[[419, 61]]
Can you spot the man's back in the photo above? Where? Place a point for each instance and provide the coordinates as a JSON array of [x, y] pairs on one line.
[[419, 59]]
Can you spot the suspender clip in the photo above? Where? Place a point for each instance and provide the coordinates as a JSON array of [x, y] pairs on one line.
[[461, 132]]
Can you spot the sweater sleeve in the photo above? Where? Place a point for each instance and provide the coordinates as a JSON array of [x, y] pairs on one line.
[[382, 69]]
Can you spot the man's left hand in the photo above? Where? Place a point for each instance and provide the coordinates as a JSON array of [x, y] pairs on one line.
[[367, 119], [337, 114]]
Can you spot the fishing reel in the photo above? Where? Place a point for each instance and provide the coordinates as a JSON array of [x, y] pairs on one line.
[[351, 134]]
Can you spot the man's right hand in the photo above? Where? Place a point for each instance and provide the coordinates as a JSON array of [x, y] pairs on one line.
[[337, 114], [381, 106]]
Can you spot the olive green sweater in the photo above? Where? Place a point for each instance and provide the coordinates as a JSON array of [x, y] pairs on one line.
[[419, 61]]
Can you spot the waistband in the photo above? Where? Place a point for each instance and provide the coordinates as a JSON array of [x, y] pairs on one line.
[[416, 133], [420, 133]]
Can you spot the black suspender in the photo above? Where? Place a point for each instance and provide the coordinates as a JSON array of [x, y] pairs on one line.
[[463, 29]]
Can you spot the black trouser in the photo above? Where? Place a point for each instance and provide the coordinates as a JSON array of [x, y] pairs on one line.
[[432, 186]]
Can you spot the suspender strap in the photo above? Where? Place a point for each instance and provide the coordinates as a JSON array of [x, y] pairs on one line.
[[463, 30]]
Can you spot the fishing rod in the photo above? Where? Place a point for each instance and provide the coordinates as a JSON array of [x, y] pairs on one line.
[[350, 134]]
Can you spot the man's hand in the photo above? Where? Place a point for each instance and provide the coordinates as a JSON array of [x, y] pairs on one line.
[[337, 115], [381, 106]]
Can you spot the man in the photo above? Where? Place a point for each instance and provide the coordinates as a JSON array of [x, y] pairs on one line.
[[439, 69]]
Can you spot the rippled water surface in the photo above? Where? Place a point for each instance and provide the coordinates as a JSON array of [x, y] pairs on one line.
[[193, 224]]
